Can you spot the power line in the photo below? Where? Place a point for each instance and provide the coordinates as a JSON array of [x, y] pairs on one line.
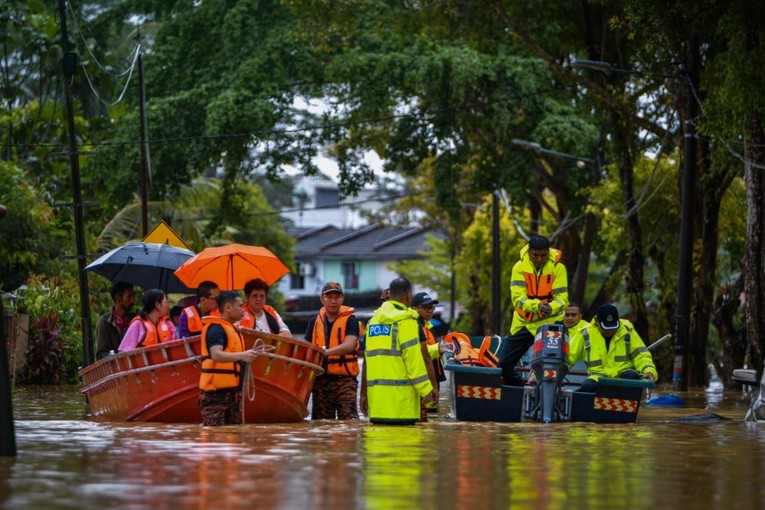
[[87, 47]]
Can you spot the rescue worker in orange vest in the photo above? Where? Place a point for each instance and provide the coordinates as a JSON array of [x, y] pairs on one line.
[[425, 305], [151, 325], [539, 291], [336, 330], [610, 347], [223, 356], [190, 321], [257, 314]]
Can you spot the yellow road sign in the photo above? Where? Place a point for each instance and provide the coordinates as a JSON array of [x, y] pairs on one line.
[[163, 234]]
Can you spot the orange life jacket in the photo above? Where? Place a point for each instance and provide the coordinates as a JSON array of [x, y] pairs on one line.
[[539, 287], [437, 366], [194, 322], [486, 356], [248, 320], [345, 364], [464, 352], [155, 333], [215, 374]]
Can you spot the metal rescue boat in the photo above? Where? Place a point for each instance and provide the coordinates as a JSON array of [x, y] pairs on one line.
[[477, 392], [160, 383]]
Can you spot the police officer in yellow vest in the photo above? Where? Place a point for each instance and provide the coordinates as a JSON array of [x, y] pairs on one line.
[[223, 354], [610, 347], [396, 375], [539, 290]]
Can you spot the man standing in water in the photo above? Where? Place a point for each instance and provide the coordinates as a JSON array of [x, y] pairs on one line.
[[396, 374], [223, 356], [539, 290], [336, 330]]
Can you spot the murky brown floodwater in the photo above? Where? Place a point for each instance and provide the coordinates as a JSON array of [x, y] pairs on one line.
[[66, 461]]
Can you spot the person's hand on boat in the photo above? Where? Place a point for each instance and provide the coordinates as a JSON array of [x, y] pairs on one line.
[[649, 376]]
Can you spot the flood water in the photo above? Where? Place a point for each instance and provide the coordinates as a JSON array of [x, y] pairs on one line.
[[67, 461]]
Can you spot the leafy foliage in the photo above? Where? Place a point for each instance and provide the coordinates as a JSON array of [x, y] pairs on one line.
[[55, 347]]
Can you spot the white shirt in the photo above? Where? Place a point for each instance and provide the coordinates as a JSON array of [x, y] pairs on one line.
[[261, 323]]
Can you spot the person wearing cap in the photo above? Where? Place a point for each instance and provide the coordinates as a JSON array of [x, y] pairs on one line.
[[336, 330], [257, 314], [539, 291], [396, 373], [610, 347], [425, 305]]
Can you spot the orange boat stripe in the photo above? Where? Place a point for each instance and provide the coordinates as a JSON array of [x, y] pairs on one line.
[[481, 392], [615, 404]]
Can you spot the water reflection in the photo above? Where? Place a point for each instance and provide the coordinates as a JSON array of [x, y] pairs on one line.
[[67, 462]]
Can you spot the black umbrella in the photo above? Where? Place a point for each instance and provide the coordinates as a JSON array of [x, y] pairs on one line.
[[148, 265]]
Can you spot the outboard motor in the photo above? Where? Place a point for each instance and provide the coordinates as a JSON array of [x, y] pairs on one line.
[[549, 366]]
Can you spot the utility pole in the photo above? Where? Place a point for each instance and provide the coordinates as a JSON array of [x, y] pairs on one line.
[[70, 64], [7, 432], [496, 270], [687, 206], [145, 159]]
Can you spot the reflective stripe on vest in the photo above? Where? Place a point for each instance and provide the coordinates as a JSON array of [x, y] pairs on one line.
[[248, 319], [397, 382], [396, 352], [194, 322], [537, 287], [155, 333], [587, 347]]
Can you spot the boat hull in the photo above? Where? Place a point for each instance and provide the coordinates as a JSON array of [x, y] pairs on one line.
[[160, 383], [477, 394]]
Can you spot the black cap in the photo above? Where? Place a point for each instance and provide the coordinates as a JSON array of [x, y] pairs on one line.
[[608, 317], [423, 298]]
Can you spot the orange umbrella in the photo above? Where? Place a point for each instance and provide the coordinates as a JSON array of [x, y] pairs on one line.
[[231, 266]]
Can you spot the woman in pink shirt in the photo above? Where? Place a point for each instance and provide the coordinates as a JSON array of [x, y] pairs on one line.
[[151, 325]]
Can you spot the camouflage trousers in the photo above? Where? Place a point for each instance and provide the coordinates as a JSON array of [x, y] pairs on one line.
[[334, 397], [220, 407]]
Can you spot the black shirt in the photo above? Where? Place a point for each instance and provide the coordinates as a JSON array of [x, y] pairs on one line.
[[351, 328]]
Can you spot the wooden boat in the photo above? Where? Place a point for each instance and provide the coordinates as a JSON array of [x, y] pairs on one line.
[[160, 383]]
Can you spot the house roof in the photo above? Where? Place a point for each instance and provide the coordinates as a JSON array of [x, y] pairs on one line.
[[371, 242]]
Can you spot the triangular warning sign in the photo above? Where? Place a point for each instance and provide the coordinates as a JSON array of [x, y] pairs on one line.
[[163, 234]]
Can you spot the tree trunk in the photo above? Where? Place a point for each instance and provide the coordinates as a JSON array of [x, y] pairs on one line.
[[754, 271], [635, 280], [726, 304]]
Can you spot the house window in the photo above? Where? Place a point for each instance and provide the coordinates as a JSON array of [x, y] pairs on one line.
[[350, 276], [327, 197], [297, 279]]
